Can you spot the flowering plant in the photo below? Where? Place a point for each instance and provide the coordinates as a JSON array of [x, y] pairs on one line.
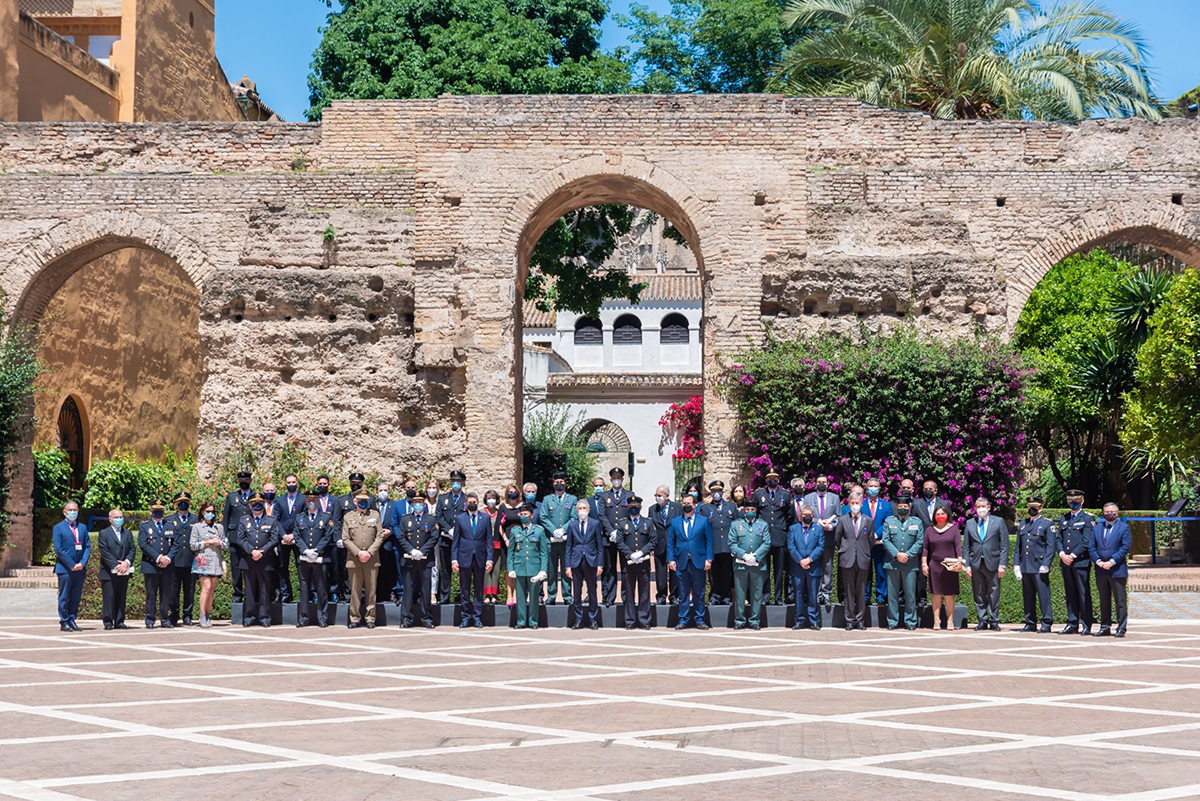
[[683, 423]]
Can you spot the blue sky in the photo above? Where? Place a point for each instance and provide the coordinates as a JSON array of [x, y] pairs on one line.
[[272, 42]]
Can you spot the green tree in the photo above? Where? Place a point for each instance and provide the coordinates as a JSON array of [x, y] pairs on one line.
[[19, 369], [971, 58], [1162, 415]]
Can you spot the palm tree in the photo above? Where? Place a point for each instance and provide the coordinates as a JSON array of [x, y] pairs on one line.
[[1135, 299], [970, 59]]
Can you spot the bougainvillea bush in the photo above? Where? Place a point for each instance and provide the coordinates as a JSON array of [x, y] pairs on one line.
[[886, 405]]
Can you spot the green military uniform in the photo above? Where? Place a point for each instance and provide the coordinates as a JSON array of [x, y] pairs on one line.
[[902, 536], [557, 512], [362, 532], [748, 538], [528, 558]]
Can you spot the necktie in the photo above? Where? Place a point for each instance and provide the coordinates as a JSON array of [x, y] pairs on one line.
[[856, 525], [982, 529], [474, 522], [75, 533], [821, 503]]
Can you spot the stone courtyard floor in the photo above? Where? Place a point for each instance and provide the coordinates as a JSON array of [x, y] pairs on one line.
[[449, 714]]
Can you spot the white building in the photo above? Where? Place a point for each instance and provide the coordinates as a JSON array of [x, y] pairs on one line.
[[620, 372]]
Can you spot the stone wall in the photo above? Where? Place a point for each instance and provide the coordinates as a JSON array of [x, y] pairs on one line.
[[393, 341]]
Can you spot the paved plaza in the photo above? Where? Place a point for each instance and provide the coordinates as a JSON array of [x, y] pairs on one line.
[[556, 714]]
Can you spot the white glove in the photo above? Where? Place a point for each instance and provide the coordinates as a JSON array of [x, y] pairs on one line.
[[1043, 569], [1017, 571], [540, 577], [311, 553], [751, 561], [636, 557], [614, 537], [415, 553], [558, 533], [512, 574], [341, 544]]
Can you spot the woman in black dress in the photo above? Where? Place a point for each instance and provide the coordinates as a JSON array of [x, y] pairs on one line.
[[943, 545], [508, 514]]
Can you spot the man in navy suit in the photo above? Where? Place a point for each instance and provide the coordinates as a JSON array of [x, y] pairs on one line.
[[879, 509], [72, 547], [825, 505], [662, 512], [585, 562], [470, 557], [388, 569], [290, 506], [1111, 543], [689, 554], [401, 508], [117, 552], [985, 553], [806, 544]]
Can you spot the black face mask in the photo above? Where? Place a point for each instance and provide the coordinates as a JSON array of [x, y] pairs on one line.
[[183, 507], [559, 486], [355, 486], [807, 519], [322, 490], [687, 507], [1034, 511], [270, 496], [512, 496], [902, 511], [412, 493], [635, 510], [364, 504], [291, 488], [772, 483], [244, 485], [822, 488], [257, 508], [929, 494], [472, 506]]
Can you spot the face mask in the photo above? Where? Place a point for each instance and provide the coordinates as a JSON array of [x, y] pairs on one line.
[[382, 495], [291, 488], [118, 522], [432, 492], [72, 515], [687, 507], [183, 507], [355, 486], [822, 488], [512, 496], [491, 503], [526, 520], [807, 519], [873, 492], [941, 518], [410, 493], [1034, 511], [855, 508], [1075, 506], [322, 490], [418, 508], [772, 483], [635, 510], [902, 511], [256, 508], [472, 506], [1110, 517], [597, 490], [559, 486], [270, 496], [981, 513], [617, 483], [660, 498], [364, 505], [928, 494], [244, 485], [581, 514], [312, 506], [717, 496], [752, 516], [531, 496], [456, 485], [209, 516], [157, 514], [797, 491]]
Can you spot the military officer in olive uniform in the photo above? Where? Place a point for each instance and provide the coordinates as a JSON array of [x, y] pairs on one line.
[[237, 506], [362, 537], [749, 542], [558, 509], [449, 506], [343, 506], [1031, 564], [1073, 541], [528, 558], [903, 537], [258, 535], [184, 581], [312, 531], [613, 507], [721, 514], [774, 506], [158, 564], [417, 538], [638, 539]]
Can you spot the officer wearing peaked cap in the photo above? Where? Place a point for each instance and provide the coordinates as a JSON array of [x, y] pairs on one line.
[[1073, 542], [1031, 565], [613, 507], [637, 540], [258, 535], [157, 544]]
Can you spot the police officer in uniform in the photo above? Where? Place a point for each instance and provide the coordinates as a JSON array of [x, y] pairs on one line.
[[774, 506], [183, 582], [449, 507], [638, 539], [343, 507], [613, 507], [1031, 564], [1073, 543], [417, 538], [528, 558], [312, 534], [258, 536], [157, 544], [362, 535], [721, 514], [902, 538], [558, 509], [237, 506]]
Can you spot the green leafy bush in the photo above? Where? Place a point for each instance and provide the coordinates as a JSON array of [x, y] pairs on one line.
[[552, 441], [123, 482], [51, 477], [19, 369]]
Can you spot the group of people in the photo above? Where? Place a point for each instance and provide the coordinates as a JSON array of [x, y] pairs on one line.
[[776, 545]]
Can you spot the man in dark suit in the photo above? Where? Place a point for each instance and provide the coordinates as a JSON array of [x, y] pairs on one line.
[[417, 537], [1112, 542], [854, 537], [1073, 541], [879, 509], [637, 542], [401, 508], [258, 536], [689, 554], [157, 544], [662, 512], [292, 503], [449, 506], [471, 555], [312, 538], [612, 508], [389, 573], [985, 553], [774, 505], [721, 514], [1031, 565], [117, 551], [826, 506], [183, 582], [72, 547], [237, 506], [585, 562]]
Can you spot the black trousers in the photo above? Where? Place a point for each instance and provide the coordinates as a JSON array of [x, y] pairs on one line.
[[257, 606], [312, 580], [444, 571], [470, 587], [288, 555], [854, 586], [721, 577], [1035, 591], [1077, 586], [777, 568], [158, 594], [664, 580], [417, 575], [1110, 588], [235, 571], [585, 575], [184, 584], [112, 599], [637, 581], [985, 585], [608, 581], [827, 571]]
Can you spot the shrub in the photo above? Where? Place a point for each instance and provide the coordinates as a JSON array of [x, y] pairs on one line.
[[19, 369], [51, 477], [552, 442]]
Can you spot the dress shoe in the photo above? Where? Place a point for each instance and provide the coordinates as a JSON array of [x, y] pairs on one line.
[[861, 627], [1086, 632], [910, 628], [1044, 629], [1103, 632], [647, 627], [406, 624], [266, 624], [187, 621], [1070, 630], [681, 626], [166, 624], [321, 624], [149, 624], [73, 625], [849, 627], [739, 626], [478, 624], [466, 624], [1027, 627], [300, 625], [120, 626], [593, 625], [981, 627], [1119, 634], [63, 627], [578, 624], [351, 625], [629, 627], [703, 626], [755, 626], [370, 624], [429, 624], [995, 627], [245, 624], [891, 627], [798, 627]]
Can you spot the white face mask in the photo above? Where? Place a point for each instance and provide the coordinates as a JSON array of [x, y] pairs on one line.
[[382, 495], [982, 512], [717, 496], [583, 513], [617, 483], [491, 502], [855, 508]]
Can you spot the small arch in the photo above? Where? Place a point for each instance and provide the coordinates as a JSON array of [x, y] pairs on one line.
[[588, 331], [73, 438], [675, 330], [605, 434], [627, 330]]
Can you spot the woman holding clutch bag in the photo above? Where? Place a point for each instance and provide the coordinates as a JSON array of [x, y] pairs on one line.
[[941, 558], [207, 540]]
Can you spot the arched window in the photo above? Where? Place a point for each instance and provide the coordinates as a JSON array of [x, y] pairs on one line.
[[627, 330], [71, 440], [588, 331], [675, 330]]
